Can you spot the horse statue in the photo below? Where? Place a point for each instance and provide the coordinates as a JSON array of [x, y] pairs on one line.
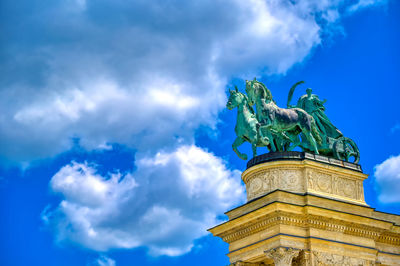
[[247, 126], [284, 125]]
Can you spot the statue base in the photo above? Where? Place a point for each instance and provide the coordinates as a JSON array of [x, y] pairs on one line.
[[304, 209]]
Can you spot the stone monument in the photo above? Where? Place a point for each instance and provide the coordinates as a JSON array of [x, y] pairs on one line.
[[303, 207]]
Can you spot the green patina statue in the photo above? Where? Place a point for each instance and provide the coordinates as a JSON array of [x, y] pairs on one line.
[[283, 129], [247, 127], [315, 107]]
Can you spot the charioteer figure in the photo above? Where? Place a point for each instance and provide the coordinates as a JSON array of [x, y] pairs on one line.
[[315, 107]]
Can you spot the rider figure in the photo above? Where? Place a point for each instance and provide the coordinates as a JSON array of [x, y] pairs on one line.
[[315, 107]]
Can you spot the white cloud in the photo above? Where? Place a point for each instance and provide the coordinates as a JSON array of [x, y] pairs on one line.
[[366, 3], [104, 261], [148, 118], [388, 179], [168, 202], [144, 75]]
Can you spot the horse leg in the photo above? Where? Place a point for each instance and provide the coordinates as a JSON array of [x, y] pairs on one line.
[[295, 143], [254, 136], [312, 141], [294, 139], [268, 135], [254, 148], [239, 141], [264, 139]]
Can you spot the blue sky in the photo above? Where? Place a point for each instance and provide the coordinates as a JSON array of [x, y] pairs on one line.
[[115, 145]]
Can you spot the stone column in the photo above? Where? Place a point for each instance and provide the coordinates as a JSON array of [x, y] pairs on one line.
[[282, 256]]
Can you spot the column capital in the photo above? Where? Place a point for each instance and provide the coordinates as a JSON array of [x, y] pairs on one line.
[[282, 256]]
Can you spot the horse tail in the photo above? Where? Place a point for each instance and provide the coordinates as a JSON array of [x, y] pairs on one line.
[[314, 131]]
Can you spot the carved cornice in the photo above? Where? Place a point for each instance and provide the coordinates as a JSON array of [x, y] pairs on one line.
[[251, 253], [251, 228], [348, 228], [310, 221], [389, 238]]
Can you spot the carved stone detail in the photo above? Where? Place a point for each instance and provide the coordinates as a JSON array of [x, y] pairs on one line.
[[266, 181], [302, 180], [327, 259], [324, 182], [346, 188], [335, 185], [282, 256], [304, 259], [292, 180], [255, 186]]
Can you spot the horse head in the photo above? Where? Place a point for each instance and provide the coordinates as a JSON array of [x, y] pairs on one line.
[[256, 89], [250, 90], [236, 98]]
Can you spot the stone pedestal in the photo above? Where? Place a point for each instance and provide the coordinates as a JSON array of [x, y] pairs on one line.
[[304, 209]]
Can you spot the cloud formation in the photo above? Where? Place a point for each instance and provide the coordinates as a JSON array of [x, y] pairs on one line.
[[104, 261], [145, 74], [139, 73], [366, 3], [170, 201], [387, 176]]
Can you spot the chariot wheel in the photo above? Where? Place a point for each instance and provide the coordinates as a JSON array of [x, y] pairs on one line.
[[345, 148]]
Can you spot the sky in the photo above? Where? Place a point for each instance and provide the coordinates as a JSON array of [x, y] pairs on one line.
[[115, 143]]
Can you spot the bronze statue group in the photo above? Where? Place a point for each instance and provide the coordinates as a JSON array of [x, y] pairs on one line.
[[283, 129]]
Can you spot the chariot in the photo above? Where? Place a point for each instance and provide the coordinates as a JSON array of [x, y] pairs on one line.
[[342, 148]]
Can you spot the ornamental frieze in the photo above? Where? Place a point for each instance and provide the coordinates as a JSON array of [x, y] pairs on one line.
[[304, 180]]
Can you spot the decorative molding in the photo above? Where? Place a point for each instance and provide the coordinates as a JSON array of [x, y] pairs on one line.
[[250, 253], [389, 238], [283, 256], [310, 221], [262, 224]]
